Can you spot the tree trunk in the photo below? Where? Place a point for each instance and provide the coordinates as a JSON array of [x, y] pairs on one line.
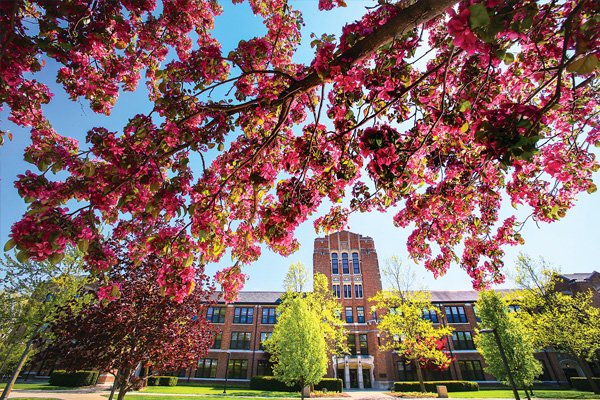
[[527, 393], [114, 386], [420, 376], [17, 370], [588, 374]]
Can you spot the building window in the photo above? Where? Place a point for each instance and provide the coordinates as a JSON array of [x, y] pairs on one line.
[[207, 368], [430, 315], [351, 339], [349, 317], [463, 340], [514, 308], [216, 315], [217, 342], [364, 344], [360, 314], [358, 293], [243, 315], [456, 314], [335, 268], [345, 267], [336, 291], [237, 369], [268, 316], [355, 263], [264, 368], [405, 372], [240, 341], [264, 336], [471, 370], [348, 291]]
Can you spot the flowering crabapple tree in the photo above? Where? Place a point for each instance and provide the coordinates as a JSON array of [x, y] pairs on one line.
[[440, 108], [133, 324]]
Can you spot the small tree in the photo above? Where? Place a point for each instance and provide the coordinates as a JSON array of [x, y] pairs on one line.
[[29, 295], [400, 277], [296, 278], [134, 324], [297, 346], [406, 331], [569, 323], [516, 342]]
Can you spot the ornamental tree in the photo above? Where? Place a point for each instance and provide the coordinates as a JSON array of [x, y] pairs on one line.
[[517, 343], [412, 337], [134, 324], [443, 109], [297, 346]]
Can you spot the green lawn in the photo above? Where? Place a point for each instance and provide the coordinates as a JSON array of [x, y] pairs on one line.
[[540, 394], [150, 397], [217, 390], [38, 386]]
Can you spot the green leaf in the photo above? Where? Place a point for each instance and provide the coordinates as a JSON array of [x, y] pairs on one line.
[[465, 127], [22, 256], [584, 65], [221, 147], [465, 105], [188, 261], [56, 258], [509, 58], [83, 245], [592, 188], [9, 245], [479, 16]]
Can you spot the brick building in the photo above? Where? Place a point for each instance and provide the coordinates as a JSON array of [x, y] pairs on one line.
[[350, 262]]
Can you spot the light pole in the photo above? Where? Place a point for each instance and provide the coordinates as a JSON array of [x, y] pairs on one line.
[[226, 372], [503, 355]]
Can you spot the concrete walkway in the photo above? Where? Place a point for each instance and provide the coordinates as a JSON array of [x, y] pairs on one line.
[[83, 394]]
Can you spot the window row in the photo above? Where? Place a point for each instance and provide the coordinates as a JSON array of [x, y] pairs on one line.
[[363, 344], [358, 291], [454, 315], [349, 315], [335, 264], [241, 315], [240, 340], [236, 368]]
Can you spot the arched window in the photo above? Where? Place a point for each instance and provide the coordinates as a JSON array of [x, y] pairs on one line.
[[345, 267], [355, 263], [335, 270]]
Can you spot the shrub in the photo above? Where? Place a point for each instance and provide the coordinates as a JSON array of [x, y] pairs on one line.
[[272, 384], [330, 385], [452, 386], [162, 381], [73, 378], [581, 383]]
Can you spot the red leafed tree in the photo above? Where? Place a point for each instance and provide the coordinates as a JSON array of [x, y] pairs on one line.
[[441, 108], [132, 325]]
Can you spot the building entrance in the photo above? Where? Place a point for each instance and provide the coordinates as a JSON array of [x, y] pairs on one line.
[[366, 378], [353, 379]]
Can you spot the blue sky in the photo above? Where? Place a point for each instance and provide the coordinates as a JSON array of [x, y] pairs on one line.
[[571, 243]]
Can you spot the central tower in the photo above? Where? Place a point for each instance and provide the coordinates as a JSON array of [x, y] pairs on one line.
[[349, 261]]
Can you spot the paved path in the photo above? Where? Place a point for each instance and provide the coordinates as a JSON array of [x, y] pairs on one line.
[[83, 394], [369, 394]]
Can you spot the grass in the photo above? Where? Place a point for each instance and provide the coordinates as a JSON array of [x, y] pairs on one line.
[[39, 386], [540, 394], [218, 390]]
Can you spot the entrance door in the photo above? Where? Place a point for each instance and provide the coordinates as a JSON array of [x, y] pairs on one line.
[[353, 379], [366, 373]]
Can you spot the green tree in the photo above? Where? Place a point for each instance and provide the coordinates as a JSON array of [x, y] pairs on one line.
[[32, 292], [400, 277], [569, 323], [297, 346], [296, 277], [516, 342], [405, 331], [328, 309]]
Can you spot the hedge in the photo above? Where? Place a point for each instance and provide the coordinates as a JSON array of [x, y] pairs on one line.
[[73, 378], [331, 384], [272, 384], [452, 386], [162, 381], [581, 383]]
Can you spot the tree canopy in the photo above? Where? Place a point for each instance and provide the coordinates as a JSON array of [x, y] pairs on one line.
[[441, 108], [297, 346], [134, 324], [516, 340], [414, 338]]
